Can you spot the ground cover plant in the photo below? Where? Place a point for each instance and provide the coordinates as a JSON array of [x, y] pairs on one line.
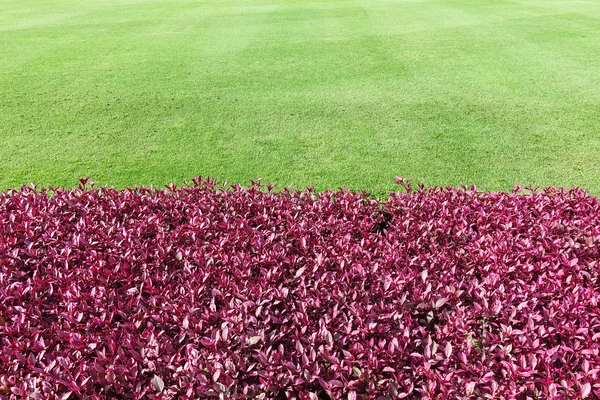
[[335, 92], [198, 291]]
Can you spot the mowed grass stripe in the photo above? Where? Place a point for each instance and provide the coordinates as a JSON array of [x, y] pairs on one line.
[[333, 93]]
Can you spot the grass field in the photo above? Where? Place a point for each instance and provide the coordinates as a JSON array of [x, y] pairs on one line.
[[326, 92]]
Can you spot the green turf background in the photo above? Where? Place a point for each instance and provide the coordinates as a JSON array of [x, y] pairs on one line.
[[326, 92]]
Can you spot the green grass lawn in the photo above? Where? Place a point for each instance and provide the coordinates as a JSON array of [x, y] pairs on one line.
[[327, 92]]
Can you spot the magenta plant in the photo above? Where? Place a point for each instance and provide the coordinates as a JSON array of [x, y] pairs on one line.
[[245, 293]]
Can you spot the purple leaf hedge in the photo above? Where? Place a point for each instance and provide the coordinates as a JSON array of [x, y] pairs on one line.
[[244, 293]]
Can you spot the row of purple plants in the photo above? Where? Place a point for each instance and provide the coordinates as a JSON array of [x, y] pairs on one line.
[[248, 293]]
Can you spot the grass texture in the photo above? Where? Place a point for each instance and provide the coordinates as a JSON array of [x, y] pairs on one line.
[[326, 92]]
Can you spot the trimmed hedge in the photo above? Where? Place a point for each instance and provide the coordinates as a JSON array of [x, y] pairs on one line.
[[199, 291]]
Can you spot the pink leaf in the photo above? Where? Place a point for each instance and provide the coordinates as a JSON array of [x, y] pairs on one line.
[[585, 390], [157, 383], [253, 340]]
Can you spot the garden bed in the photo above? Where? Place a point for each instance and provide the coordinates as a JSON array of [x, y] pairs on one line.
[[244, 292]]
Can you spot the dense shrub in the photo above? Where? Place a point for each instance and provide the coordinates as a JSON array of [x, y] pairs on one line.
[[244, 293]]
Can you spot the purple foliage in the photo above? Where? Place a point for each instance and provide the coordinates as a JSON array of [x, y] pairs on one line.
[[199, 291]]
